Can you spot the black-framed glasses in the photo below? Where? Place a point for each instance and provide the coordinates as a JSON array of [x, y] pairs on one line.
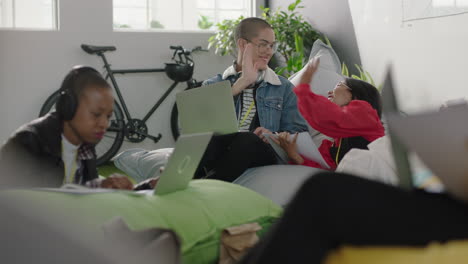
[[264, 45]]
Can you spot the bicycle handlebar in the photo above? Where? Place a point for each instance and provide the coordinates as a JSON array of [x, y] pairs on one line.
[[176, 47], [180, 55], [184, 55], [186, 51], [199, 48]]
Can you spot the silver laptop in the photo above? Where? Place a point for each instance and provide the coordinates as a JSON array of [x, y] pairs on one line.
[[400, 153], [441, 141], [183, 163], [207, 109]]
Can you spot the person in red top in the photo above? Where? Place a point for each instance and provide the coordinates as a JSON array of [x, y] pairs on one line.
[[350, 115]]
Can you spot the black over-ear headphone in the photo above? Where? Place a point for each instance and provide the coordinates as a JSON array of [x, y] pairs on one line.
[[68, 102]]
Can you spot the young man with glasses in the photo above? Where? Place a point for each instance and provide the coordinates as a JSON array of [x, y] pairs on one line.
[[264, 101]]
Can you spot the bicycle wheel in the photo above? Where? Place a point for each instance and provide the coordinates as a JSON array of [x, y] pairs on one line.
[[175, 124], [112, 140]]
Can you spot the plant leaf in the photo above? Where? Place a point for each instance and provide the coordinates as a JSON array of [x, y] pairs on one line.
[[327, 41], [344, 70]]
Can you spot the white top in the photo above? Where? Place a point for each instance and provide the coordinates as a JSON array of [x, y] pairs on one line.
[[268, 76], [70, 159]]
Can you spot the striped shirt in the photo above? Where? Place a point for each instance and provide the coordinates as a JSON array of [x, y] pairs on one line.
[[246, 116]]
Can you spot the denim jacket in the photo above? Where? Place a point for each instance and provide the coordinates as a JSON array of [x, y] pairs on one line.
[[276, 102]]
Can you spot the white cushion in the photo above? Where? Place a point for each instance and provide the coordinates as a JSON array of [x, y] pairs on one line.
[[141, 164], [328, 73], [325, 79], [277, 182]]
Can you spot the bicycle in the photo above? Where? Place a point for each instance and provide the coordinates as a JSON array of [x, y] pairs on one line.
[[122, 124]]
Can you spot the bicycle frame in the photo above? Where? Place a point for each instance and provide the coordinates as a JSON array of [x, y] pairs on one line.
[[110, 74]]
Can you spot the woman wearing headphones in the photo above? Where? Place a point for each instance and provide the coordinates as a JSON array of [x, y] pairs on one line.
[[59, 148]]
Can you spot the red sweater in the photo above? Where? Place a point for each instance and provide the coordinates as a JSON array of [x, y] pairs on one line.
[[357, 119]]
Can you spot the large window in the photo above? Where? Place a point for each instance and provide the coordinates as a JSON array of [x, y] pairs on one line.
[[28, 14], [177, 15]]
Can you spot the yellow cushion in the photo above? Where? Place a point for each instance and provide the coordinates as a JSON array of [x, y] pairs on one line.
[[451, 252]]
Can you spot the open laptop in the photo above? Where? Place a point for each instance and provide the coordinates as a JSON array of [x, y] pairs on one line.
[[183, 163], [400, 153], [441, 141], [207, 109], [440, 138]]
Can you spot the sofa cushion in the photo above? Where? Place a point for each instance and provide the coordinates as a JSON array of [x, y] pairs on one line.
[[277, 182], [326, 77], [328, 73], [197, 214]]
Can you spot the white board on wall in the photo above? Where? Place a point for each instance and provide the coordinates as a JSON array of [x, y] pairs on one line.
[[428, 9], [429, 57]]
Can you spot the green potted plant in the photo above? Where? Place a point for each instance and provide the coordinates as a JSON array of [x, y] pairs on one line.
[[156, 24], [223, 41], [204, 22], [294, 34], [295, 37]]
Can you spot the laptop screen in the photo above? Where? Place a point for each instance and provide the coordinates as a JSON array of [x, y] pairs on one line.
[[208, 108], [183, 163], [400, 153]]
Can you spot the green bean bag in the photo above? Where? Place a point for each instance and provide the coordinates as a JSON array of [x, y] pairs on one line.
[[197, 214]]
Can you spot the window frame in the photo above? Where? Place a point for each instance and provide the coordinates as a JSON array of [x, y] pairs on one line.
[[13, 27], [253, 12]]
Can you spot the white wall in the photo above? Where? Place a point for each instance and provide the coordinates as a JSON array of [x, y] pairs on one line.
[[429, 57], [33, 64]]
